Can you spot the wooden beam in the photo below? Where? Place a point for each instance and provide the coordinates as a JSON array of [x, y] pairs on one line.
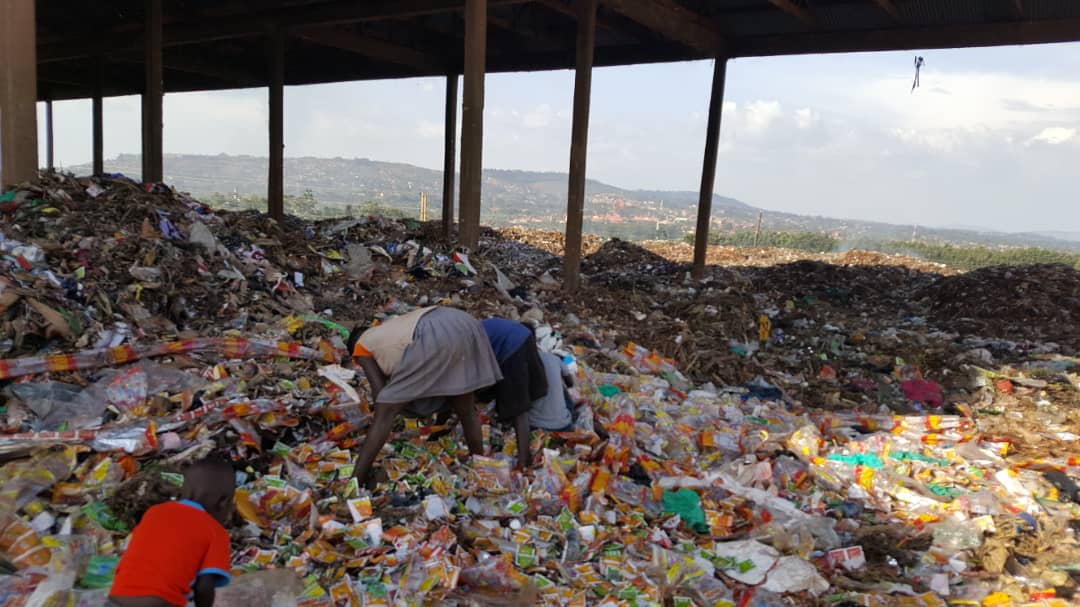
[[915, 38], [18, 93], [97, 117], [254, 24], [472, 122], [152, 126], [708, 168], [797, 11], [543, 39], [275, 183], [579, 138], [449, 152], [889, 7], [562, 8], [374, 48], [50, 142], [234, 77], [673, 21]]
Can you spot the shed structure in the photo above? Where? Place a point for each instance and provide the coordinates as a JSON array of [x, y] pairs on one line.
[[71, 49]]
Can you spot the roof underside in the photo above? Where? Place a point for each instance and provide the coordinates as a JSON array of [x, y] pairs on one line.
[[215, 44]]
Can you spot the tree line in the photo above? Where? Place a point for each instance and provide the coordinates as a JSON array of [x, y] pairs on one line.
[[965, 257]]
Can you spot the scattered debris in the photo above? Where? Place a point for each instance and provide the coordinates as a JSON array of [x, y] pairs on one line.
[[859, 430]]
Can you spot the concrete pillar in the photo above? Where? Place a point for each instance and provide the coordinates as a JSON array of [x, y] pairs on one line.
[[18, 92]]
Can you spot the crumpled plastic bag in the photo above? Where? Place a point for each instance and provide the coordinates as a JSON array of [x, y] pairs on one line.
[[130, 388], [360, 267], [65, 406], [793, 574], [923, 391], [57, 405], [22, 480], [686, 504]]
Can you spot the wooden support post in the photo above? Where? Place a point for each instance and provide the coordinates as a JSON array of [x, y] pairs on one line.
[[708, 168], [152, 125], [449, 151], [472, 122], [275, 193], [97, 118], [50, 141], [18, 92], [579, 138]]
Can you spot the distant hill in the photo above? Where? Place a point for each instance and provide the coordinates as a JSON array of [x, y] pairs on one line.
[[1060, 235], [537, 199]]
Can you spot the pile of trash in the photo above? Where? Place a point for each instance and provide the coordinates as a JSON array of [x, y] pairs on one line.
[[767, 436], [1036, 302], [95, 263]]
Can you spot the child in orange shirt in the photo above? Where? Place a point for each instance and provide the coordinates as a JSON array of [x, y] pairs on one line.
[[181, 547]]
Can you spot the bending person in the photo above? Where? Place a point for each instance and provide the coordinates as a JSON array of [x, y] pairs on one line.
[[523, 380], [555, 411], [416, 363]]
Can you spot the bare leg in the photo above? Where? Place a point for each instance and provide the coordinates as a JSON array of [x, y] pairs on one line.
[[385, 414], [521, 428], [466, 412]]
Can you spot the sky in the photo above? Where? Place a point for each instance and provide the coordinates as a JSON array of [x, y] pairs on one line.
[[989, 139]]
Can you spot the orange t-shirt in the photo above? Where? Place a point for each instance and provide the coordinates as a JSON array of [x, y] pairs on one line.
[[174, 544]]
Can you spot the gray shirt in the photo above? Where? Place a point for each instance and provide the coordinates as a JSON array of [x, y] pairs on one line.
[[552, 411]]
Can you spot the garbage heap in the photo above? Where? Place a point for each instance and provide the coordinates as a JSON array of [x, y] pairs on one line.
[[798, 435]]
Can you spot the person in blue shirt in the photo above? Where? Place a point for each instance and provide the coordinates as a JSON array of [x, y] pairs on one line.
[[524, 379]]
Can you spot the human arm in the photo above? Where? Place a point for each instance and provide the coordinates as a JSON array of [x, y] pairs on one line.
[[214, 570], [375, 375], [205, 589]]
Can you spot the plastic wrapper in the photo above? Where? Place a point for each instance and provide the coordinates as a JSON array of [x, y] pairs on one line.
[[272, 503], [57, 405], [21, 545], [137, 438], [780, 397], [22, 480]]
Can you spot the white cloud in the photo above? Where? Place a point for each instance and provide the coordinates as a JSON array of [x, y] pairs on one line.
[[970, 100], [1053, 135], [760, 115], [944, 141], [805, 118], [428, 129], [539, 118]]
